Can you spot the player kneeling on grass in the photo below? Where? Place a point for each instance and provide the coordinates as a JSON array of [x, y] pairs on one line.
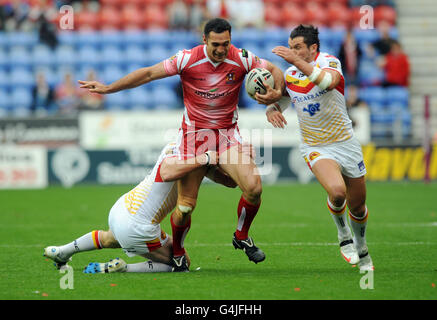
[[134, 220]]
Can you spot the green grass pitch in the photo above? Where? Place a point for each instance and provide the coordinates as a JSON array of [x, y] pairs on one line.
[[293, 227]]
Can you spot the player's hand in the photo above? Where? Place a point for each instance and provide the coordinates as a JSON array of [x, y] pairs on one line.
[[248, 149], [94, 86], [285, 53], [276, 118], [271, 95]]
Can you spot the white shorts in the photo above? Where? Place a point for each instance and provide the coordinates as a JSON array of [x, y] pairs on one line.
[[347, 154], [134, 237]]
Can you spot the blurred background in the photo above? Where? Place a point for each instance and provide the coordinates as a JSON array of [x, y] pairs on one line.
[[57, 133]]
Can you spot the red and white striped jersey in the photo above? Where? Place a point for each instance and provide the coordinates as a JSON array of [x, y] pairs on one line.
[[211, 89]]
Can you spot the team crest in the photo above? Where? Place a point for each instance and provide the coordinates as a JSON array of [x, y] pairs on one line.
[[333, 64], [230, 78], [313, 155]]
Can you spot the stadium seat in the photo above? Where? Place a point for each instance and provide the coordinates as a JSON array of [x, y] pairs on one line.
[[4, 103], [156, 54], [86, 20], [4, 79], [155, 17], [21, 77], [163, 97], [20, 57], [65, 55], [116, 101], [112, 38], [139, 98], [112, 3], [373, 95], [89, 56], [131, 17], [398, 95], [42, 56], [369, 74], [135, 55], [112, 73], [338, 15], [133, 37], [88, 38], [368, 35], [109, 18], [315, 14], [24, 39], [21, 100], [385, 13], [4, 60], [66, 37], [111, 55], [292, 15], [272, 14]]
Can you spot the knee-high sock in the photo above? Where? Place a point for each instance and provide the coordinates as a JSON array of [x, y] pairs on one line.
[[338, 214], [359, 226], [246, 214], [179, 233], [148, 266], [87, 242]]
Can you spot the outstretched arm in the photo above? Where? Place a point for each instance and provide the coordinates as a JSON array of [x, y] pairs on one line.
[[172, 168], [132, 80]]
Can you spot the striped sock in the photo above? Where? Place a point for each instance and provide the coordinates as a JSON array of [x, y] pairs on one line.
[[359, 226], [87, 242], [338, 214]]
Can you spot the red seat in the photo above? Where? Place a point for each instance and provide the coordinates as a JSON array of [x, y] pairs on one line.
[[338, 15], [155, 17], [86, 20], [132, 17], [272, 14], [315, 14], [112, 3], [385, 13], [292, 15], [109, 18]]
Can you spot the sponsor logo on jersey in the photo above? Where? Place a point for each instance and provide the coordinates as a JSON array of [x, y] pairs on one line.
[[361, 166], [211, 95], [313, 155], [333, 64], [309, 97], [312, 108]]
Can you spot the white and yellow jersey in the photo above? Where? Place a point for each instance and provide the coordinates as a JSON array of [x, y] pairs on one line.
[[152, 199], [322, 114]]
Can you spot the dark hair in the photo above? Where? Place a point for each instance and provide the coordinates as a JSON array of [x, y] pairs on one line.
[[309, 33], [218, 25]]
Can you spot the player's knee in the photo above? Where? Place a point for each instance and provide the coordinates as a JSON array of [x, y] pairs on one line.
[[358, 209], [253, 188], [337, 194], [185, 205]]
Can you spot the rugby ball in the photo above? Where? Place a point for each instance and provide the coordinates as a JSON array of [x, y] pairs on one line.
[[255, 80]]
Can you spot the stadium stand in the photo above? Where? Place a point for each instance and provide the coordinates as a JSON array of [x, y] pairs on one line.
[[115, 37]]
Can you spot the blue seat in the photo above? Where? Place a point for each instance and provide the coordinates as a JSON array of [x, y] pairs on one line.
[[42, 56], [89, 56], [50, 74], [163, 97], [87, 39], [25, 39], [20, 77], [337, 36], [116, 101], [373, 95], [112, 73], [370, 75], [278, 36], [253, 47], [134, 38], [65, 55], [20, 57], [111, 38], [156, 54], [21, 99], [139, 98], [368, 35], [4, 103], [399, 95], [135, 54], [161, 38], [4, 59], [67, 38], [4, 79], [111, 55]]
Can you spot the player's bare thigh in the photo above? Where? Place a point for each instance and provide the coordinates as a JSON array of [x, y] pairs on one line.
[[243, 170], [188, 185], [108, 240], [329, 175]]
